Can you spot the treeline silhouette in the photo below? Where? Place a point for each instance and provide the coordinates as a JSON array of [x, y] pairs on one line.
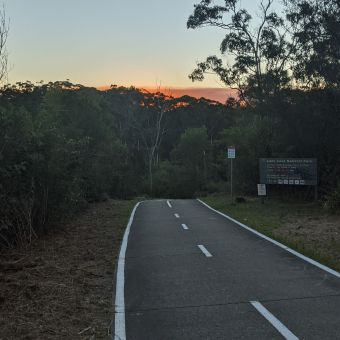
[[63, 145]]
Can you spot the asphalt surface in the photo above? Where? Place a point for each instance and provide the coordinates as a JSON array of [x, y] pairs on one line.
[[174, 291]]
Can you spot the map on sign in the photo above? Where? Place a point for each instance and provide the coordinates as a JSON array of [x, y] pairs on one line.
[[290, 171], [231, 152]]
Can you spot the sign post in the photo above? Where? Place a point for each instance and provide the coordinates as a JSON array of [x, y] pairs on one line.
[[231, 156]]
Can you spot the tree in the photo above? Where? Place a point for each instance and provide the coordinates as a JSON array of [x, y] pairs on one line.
[[4, 29], [145, 119], [191, 156], [259, 55], [161, 106], [316, 26]]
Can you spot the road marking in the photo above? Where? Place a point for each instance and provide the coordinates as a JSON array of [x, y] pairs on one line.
[[120, 332], [184, 226], [176, 215], [303, 257], [285, 332], [169, 204], [204, 250]]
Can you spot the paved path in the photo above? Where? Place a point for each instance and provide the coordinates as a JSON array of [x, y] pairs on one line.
[[192, 274]]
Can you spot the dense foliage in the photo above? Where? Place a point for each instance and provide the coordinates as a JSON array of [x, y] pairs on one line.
[[284, 63], [62, 145]]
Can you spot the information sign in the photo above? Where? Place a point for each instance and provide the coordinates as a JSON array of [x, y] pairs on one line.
[[290, 171], [261, 190], [231, 152]]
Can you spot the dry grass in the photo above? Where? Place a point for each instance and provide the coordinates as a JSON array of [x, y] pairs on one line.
[[317, 236], [303, 226], [61, 287]]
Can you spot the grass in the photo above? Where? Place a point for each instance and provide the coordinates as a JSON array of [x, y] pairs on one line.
[[302, 226], [262, 217]]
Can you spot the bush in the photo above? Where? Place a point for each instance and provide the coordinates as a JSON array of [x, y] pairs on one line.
[[332, 200]]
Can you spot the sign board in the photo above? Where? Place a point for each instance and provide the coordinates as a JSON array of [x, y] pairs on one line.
[[231, 152], [288, 171], [261, 190]]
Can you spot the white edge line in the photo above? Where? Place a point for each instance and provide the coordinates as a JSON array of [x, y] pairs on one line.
[[169, 204], [176, 215], [120, 332], [294, 252], [184, 226], [204, 250], [286, 333]]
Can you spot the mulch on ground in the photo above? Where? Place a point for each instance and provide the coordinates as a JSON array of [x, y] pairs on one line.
[[61, 286]]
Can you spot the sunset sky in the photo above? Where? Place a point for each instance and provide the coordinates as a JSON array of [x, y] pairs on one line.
[[102, 42]]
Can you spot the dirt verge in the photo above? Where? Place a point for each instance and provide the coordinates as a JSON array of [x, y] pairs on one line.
[[61, 287], [318, 235]]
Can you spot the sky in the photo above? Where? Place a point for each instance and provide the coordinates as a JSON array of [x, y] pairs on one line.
[[103, 42]]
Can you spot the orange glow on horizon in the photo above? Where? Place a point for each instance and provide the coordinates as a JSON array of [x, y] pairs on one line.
[[216, 94]]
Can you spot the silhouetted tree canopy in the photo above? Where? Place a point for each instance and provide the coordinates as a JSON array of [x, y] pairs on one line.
[[63, 145]]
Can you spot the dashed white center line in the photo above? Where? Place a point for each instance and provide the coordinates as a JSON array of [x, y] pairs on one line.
[[285, 332], [176, 215], [204, 250], [184, 226], [169, 204]]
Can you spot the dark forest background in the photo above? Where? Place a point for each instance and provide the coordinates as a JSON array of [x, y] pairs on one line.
[[63, 145]]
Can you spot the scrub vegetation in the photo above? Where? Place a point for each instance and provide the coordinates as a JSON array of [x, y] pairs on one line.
[[63, 145]]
